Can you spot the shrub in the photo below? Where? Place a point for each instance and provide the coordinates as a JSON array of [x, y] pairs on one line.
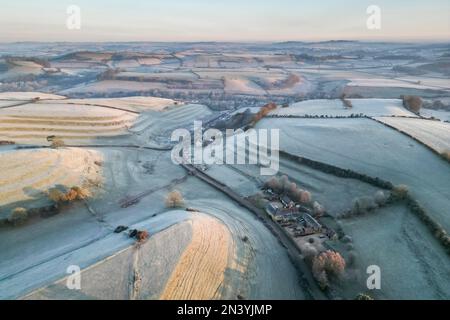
[[318, 209], [174, 199], [380, 198], [347, 239], [363, 296], [142, 235], [291, 189], [362, 205], [56, 195], [18, 216], [309, 252], [326, 264], [259, 200], [305, 196], [76, 193], [264, 111], [284, 181], [347, 103], [57, 143], [446, 155], [399, 192]]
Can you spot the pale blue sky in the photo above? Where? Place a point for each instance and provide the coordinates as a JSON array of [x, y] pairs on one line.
[[224, 20]]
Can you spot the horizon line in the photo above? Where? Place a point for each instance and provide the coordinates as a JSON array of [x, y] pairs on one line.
[[418, 40]]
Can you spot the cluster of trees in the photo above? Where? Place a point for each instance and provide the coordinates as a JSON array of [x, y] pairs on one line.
[[74, 193], [264, 111], [412, 103], [284, 185], [20, 215], [326, 265], [365, 204]]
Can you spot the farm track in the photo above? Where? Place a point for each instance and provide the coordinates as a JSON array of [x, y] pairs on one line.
[[17, 104], [129, 201]]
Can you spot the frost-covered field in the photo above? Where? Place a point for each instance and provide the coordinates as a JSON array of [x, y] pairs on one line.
[[31, 173], [23, 96], [371, 148], [134, 103], [391, 83], [242, 86], [438, 114], [368, 107], [435, 134], [412, 264], [111, 86], [79, 123], [188, 248]]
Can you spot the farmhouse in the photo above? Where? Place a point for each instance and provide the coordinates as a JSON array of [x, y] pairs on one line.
[[279, 214], [312, 223], [287, 202]]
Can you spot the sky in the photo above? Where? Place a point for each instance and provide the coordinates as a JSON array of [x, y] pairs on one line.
[[223, 20]]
